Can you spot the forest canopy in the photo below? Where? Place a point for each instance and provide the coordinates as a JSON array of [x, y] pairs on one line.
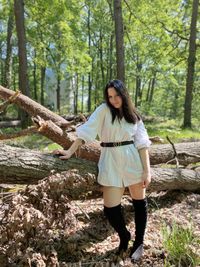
[[71, 53]]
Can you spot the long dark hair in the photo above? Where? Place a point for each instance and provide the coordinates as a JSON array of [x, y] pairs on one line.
[[128, 110]]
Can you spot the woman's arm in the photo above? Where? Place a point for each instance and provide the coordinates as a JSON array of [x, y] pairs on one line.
[[66, 154], [146, 176]]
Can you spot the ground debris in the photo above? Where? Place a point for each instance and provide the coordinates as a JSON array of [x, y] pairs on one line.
[[42, 226]]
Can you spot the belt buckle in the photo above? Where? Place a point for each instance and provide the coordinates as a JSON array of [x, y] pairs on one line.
[[117, 143]]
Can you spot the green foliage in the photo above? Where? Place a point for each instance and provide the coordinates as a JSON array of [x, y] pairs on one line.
[[180, 244], [35, 141], [72, 38], [172, 129]]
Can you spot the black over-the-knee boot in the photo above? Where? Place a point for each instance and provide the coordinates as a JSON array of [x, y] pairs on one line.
[[116, 219], [140, 207]]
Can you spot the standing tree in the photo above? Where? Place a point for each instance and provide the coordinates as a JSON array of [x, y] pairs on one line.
[[23, 69], [89, 51], [8, 61], [191, 66], [119, 35]]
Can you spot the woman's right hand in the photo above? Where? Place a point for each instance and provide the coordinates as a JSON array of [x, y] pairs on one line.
[[63, 154]]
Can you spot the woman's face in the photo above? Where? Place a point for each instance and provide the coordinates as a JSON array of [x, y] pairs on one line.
[[114, 98]]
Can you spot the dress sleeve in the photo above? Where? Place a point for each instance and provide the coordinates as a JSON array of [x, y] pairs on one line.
[[91, 128], [141, 137]]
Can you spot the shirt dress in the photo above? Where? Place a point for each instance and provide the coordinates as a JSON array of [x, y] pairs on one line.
[[118, 166]]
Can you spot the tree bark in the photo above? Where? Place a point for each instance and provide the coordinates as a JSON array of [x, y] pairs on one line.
[[152, 88], [138, 81], [89, 51], [163, 153], [42, 79], [58, 89], [25, 166], [119, 35], [101, 53], [82, 92], [8, 61], [35, 76], [23, 66], [191, 66]]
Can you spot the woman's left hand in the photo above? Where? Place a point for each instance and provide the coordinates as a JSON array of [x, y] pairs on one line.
[[146, 178]]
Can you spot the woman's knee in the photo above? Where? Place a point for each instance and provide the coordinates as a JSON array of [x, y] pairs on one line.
[[137, 191], [112, 196]]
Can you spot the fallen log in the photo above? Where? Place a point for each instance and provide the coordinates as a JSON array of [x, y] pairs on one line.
[[32, 107], [187, 153], [24, 166], [8, 124]]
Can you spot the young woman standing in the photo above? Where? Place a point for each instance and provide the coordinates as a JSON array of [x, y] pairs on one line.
[[124, 161]]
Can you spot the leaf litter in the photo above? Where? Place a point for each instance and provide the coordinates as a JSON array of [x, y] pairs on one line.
[[55, 224]]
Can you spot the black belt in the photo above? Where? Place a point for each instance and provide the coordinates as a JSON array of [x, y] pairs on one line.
[[113, 144]]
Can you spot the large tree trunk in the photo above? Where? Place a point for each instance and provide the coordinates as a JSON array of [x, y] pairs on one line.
[[89, 50], [35, 76], [187, 153], [42, 79], [25, 166], [119, 35], [191, 66], [8, 61], [23, 66], [138, 81]]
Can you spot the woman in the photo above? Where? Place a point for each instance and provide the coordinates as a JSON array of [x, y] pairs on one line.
[[124, 161]]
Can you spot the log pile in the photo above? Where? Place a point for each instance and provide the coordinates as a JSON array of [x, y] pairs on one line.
[[24, 166]]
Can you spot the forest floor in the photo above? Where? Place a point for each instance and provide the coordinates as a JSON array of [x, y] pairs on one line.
[[88, 240], [165, 208], [79, 234]]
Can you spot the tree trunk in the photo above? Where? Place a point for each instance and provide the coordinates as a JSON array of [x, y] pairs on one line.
[[42, 79], [35, 77], [152, 88], [1, 65], [110, 67], [101, 53], [89, 49], [119, 35], [23, 67], [138, 82], [58, 90], [148, 90], [163, 153], [82, 92], [25, 166], [76, 81], [191, 66], [8, 62]]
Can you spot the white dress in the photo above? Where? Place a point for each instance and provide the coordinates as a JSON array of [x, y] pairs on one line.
[[118, 166]]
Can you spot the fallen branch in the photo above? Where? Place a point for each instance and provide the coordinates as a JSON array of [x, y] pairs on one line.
[[13, 123], [32, 107], [175, 158]]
